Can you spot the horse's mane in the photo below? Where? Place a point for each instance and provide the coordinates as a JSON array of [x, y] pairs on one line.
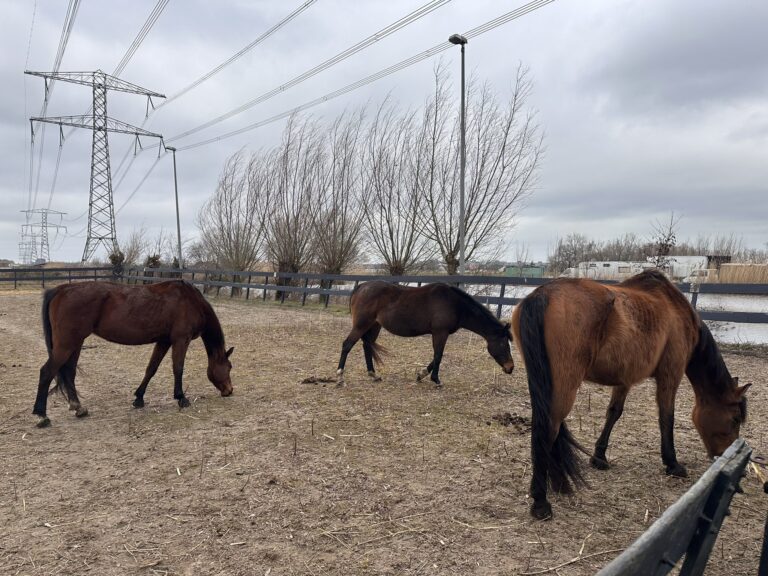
[[212, 334], [707, 361], [476, 307]]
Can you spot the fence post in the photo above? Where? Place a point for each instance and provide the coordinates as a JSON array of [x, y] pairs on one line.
[[264, 292], [218, 288], [15, 279], [694, 294], [501, 295], [248, 288], [304, 294], [42, 276], [70, 275], [328, 296]]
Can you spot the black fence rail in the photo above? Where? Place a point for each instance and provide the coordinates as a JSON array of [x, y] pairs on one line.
[[41, 276], [493, 291], [326, 286], [690, 526]]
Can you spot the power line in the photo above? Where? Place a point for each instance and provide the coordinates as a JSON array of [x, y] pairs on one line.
[[29, 152], [341, 56], [151, 19], [239, 54], [69, 22], [134, 46], [473, 33], [140, 184]]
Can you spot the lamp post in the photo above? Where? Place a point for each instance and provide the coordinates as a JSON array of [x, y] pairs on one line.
[[461, 41], [176, 193]]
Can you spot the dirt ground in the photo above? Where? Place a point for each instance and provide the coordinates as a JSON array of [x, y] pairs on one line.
[[288, 478]]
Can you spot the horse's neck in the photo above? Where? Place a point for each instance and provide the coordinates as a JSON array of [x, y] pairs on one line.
[[478, 322], [213, 337]]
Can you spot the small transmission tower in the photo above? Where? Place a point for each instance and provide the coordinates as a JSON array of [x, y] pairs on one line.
[[28, 245], [44, 225], [101, 206]]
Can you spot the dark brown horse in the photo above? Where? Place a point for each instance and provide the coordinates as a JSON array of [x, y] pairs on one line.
[[574, 330], [168, 314], [437, 309]]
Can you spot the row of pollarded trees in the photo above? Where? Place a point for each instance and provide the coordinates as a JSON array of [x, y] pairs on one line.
[[387, 184]]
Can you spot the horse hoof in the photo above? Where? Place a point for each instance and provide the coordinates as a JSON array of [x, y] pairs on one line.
[[81, 412], [44, 422], [438, 385], [541, 510], [599, 463], [374, 377], [138, 403], [183, 402], [677, 470], [420, 374]]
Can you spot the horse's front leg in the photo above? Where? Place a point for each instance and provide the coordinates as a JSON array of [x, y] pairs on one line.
[[666, 389], [178, 354], [438, 345], [159, 352]]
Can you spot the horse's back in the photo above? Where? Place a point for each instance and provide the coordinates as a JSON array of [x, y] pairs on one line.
[[615, 334], [405, 310], [128, 314]]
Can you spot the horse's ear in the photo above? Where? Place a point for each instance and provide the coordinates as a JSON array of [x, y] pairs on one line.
[[742, 390], [229, 352], [735, 380], [508, 328]]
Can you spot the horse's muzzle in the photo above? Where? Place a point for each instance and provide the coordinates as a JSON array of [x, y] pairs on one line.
[[508, 367]]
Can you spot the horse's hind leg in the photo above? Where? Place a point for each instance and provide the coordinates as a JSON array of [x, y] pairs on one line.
[[47, 373], [368, 339], [354, 335], [424, 372], [159, 352], [615, 409]]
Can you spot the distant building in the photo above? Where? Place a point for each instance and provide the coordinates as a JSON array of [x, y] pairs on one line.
[[525, 269]]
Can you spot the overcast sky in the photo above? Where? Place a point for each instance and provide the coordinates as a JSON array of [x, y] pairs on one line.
[[648, 106]]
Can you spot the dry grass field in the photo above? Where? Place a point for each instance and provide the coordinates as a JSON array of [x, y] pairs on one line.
[[289, 478]]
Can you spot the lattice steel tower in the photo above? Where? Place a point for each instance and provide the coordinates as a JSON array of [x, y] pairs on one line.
[[44, 224], [101, 206]]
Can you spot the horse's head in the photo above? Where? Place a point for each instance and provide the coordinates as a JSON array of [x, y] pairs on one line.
[[500, 350], [719, 422], [219, 367]]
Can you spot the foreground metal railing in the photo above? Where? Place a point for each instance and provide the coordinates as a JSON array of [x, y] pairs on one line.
[[690, 526]]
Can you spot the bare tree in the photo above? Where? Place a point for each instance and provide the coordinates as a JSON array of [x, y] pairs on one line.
[[232, 222], [135, 246], [337, 221], [297, 172], [504, 148], [393, 202], [571, 250], [664, 239]]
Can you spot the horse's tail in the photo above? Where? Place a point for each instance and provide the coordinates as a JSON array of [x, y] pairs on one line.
[[561, 460], [47, 328], [62, 384], [377, 350]]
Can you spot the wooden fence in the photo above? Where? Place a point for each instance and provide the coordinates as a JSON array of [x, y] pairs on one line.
[[41, 276], [493, 291]]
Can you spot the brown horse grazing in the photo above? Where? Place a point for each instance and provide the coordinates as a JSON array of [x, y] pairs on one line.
[[573, 330], [437, 309], [168, 314]]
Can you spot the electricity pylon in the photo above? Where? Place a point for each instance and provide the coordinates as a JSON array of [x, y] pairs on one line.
[[28, 245], [101, 206], [44, 224]]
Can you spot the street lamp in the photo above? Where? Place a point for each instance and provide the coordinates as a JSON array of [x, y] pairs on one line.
[[461, 41], [176, 193]]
